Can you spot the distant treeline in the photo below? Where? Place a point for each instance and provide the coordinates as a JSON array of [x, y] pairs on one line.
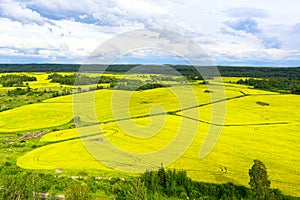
[[12, 80], [273, 84], [187, 71], [261, 72], [252, 72]]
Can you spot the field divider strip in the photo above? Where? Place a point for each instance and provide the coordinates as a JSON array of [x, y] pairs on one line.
[[258, 124]]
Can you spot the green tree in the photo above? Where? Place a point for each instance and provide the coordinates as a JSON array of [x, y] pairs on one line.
[[77, 191], [20, 186], [137, 191], [259, 182], [162, 176]]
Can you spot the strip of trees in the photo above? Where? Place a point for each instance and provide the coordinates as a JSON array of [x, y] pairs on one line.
[[80, 79], [12, 80], [273, 84], [16, 183], [115, 83]]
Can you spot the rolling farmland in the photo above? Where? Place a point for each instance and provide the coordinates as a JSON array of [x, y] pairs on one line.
[[252, 130]]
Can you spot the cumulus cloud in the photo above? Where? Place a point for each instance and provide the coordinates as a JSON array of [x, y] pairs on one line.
[[291, 37], [67, 30], [18, 11], [250, 25], [73, 29], [103, 13], [78, 40]]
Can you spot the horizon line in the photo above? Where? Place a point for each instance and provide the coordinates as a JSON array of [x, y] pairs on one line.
[[260, 66]]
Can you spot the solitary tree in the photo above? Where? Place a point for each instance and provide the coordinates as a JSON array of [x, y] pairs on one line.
[[259, 182], [162, 175]]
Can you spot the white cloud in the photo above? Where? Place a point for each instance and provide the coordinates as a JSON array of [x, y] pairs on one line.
[[78, 39], [82, 16], [72, 29], [18, 11]]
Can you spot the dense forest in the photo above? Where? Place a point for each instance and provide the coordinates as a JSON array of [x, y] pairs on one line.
[[273, 84], [252, 72]]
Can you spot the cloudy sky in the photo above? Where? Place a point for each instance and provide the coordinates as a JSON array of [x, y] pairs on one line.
[[232, 32]]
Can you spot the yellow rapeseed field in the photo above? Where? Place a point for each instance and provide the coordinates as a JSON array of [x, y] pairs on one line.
[[258, 125]]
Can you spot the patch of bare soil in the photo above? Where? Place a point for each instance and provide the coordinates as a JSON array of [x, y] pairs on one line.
[[33, 135]]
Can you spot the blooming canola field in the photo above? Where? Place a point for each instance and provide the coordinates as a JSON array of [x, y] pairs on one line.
[[250, 130]]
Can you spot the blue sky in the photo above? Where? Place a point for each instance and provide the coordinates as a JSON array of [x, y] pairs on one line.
[[232, 32]]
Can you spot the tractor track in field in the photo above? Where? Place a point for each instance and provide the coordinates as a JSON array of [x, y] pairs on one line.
[[257, 124], [223, 170], [209, 103], [73, 138], [173, 112]]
